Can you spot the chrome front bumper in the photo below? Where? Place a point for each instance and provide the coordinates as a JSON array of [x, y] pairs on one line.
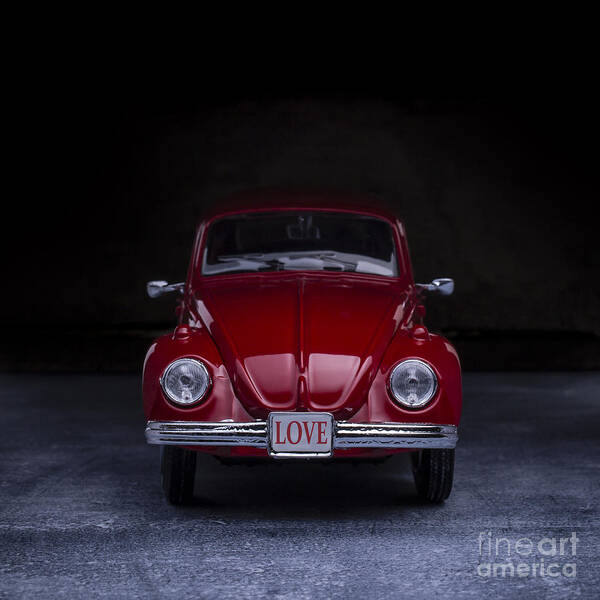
[[346, 435]]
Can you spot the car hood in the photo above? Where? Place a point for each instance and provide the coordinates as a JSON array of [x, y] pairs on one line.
[[301, 342]]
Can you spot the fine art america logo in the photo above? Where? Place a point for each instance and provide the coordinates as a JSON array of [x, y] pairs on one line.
[[502, 557]]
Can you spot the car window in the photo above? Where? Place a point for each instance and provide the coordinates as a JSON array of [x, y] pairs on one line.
[[300, 240]]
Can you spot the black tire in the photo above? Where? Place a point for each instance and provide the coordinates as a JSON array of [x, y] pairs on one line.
[[178, 471], [433, 471]]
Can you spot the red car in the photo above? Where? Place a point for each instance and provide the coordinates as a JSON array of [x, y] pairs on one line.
[[301, 336]]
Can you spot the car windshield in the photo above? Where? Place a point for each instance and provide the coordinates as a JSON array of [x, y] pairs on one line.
[[302, 241]]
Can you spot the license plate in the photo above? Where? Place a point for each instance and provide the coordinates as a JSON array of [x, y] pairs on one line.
[[300, 435]]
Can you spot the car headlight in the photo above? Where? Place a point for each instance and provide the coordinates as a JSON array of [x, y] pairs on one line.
[[185, 381], [413, 383]]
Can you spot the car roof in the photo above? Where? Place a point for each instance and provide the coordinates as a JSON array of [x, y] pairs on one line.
[[268, 199]]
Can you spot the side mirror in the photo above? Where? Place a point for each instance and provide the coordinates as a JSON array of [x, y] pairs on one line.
[[158, 288], [443, 286]]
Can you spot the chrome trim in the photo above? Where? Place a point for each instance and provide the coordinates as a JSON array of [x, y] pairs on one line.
[[301, 455], [443, 286], [395, 435], [154, 289], [190, 433], [346, 435]]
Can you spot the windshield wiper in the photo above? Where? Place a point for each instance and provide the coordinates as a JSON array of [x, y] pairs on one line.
[[255, 258], [280, 264], [330, 256]]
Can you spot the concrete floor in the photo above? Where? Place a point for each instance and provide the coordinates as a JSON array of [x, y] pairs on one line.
[[82, 513]]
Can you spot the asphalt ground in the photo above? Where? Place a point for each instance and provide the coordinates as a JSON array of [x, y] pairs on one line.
[[82, 513]]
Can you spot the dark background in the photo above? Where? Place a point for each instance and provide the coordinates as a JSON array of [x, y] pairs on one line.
[[116, 154], [496, 190]]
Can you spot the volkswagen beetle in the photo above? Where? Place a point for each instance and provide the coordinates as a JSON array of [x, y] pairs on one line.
[[301, 336]]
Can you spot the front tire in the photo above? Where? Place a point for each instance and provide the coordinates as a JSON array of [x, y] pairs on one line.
[[433, 471], [178, 471]]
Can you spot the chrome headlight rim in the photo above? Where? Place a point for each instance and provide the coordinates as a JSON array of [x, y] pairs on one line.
[[170, 396], [433, 394]]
